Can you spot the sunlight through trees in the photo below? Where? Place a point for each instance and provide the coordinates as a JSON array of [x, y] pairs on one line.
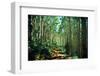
[[57, 37]]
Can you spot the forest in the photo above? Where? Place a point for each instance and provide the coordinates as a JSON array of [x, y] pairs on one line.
[[57, 37]]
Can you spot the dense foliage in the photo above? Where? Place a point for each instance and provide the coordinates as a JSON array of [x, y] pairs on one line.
[[57, 37]]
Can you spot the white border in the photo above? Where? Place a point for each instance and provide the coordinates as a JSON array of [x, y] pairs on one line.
[[19, 64]]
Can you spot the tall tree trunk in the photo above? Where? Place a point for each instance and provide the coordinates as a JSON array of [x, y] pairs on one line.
[[80, 38], [69, 38], [29, 28], [84, 38], [41, 29]]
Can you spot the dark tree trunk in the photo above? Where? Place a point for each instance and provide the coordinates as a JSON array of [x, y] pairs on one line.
[[84, 38], [29, 27]]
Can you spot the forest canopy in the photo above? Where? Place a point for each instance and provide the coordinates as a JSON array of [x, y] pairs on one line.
[[57, 37]]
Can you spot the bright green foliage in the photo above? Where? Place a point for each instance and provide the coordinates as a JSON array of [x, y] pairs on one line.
[[57, 37]]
